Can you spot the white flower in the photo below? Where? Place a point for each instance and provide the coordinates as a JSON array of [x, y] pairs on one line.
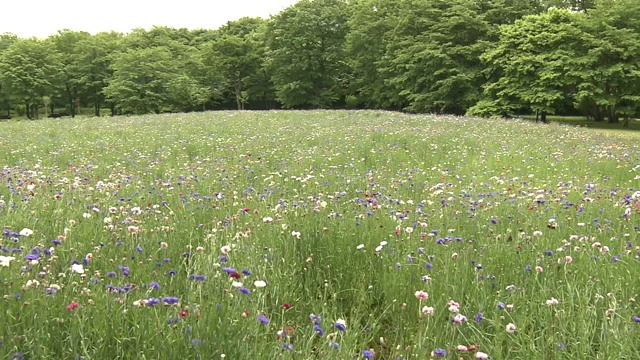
[[259, 283], [553, 301], [511, 328], [77, 268], [360, 247], [236, 284], [295, 234], [26, 232], [379, 248], [225, 249], [267, 219], [6, 260]]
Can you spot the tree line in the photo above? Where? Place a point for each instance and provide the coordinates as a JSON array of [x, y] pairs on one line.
[[475, 57]]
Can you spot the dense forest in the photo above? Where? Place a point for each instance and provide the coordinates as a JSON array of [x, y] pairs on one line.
[[477, 57]]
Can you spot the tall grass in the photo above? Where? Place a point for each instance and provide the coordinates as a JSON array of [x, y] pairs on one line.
[[509, 225]]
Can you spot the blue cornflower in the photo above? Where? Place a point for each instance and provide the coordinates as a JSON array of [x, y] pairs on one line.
[[334, 345], [636, 319], [246, 272], [170, 300], [244, 290], [263, 319], [501, 306], [318, 330], [154, 285], [439, 353], [340, 326], [367, 354], [479, 317]]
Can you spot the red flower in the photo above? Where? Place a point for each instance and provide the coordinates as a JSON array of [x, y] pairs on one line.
[[234, 275], [286, 306], [72, 306], [183, 314]]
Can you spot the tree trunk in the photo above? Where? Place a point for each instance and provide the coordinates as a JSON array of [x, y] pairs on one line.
[[52, 108], [613, 117], [113, 109], [543, 117], [28, 110], [238, 96], [625, 123], [96, 109], [537, 115]]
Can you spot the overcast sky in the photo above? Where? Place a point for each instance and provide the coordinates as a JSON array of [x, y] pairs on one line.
[[42, 18]]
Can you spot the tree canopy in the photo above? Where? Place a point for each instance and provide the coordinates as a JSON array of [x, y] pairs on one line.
[[480, 57]]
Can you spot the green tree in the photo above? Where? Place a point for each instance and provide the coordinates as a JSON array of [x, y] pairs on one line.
[[433, 59], [306, 58], [609, 78], [536, 64], [6, 40], [67, 52], [140, 80], [28, 70], [236, 57], [370, 33], [94, 63]]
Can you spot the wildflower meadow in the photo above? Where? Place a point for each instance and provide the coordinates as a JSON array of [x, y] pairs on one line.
[[317, 235]]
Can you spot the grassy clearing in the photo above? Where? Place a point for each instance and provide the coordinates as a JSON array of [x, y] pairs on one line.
[[152, 237], [581, 121]]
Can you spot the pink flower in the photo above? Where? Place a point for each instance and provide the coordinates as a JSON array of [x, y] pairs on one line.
[[422, 295], [462, 348], [481, 355], [427, 310], [568, 259], [511, 328], [539, 269], [459, 318]]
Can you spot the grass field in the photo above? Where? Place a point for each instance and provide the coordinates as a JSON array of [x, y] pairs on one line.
[[317, 235]]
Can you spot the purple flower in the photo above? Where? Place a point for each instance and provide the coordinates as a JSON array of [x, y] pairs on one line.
[[439, 353], [154, 285], [246, 272], [263, 319], [170, 300], [479, 317], [340, 326], [334, 345], [152, 302], [501, 306], [244, 290], [636, 319], [229, 270], [367, 354], [318, 330], [111, 274]]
